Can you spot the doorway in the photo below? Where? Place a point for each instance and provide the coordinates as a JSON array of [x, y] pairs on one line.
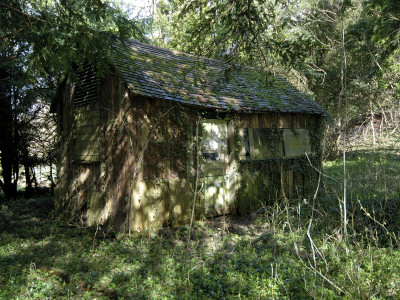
[[215, 158]]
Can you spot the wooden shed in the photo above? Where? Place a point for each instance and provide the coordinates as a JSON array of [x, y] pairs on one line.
[[164, 131]]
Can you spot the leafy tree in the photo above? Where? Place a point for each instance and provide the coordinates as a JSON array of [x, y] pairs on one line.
[[378, 31], [40, 43], [301, 39], [371, 43], [244, 31]]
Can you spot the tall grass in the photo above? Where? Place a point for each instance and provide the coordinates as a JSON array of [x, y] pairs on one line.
[[294, 249]]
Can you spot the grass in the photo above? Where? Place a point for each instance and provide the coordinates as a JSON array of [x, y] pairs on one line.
[[280, 252]]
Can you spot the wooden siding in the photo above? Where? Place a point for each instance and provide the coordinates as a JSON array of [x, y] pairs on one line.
[[88, 140], [129, 161]]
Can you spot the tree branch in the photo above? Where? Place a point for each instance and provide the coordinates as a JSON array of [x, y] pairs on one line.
[[254, 34], [16, 31]]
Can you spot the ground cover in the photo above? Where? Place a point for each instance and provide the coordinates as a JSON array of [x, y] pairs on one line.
[[295, 249]]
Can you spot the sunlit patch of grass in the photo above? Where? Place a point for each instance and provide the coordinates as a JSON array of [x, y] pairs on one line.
[[373, 185], [269, 254]]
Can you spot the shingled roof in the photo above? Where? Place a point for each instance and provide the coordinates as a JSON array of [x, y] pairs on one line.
[[166, 74]]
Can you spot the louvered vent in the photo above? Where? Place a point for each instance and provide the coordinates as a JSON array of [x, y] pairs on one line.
[[86, 87]]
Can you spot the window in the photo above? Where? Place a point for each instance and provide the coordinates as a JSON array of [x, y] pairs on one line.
[[297, 142], [86, 85], [264, 143], [215, 140]]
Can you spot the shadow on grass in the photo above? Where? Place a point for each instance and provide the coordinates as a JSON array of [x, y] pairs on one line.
[[155, 266], [236, 257]]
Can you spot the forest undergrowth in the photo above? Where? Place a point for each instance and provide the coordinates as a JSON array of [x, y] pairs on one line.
[[295, 249]]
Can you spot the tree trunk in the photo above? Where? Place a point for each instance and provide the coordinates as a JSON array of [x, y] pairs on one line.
[[51, 177], [28, 181], [372, 122], [7, 155]]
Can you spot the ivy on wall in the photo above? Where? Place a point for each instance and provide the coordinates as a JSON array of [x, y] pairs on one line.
[[263, 181]]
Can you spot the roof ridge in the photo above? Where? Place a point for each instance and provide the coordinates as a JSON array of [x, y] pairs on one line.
[[176, 52], [180, 53], [172, 75]]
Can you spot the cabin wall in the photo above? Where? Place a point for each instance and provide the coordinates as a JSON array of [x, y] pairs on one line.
[[130, 162], [87, 133], [282, 170], [147, 156], [79, 187], [139, 174]]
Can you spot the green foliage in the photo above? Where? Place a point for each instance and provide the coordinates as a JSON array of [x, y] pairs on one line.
[[364, 87], [374, 191], [41, 42], [301, 39], [264, 255], [61, 34], [243, 31]]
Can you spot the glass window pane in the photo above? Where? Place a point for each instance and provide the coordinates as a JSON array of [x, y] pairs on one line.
[[215, 135], [214, 156], [297, 142], [267, 143]]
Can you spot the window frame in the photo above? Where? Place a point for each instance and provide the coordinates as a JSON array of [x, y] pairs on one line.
[[284, 137]]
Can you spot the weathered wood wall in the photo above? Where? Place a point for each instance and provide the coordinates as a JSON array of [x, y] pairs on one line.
[[284, 172], [87, 135], [146, 160], [125, 160], [130, 161]]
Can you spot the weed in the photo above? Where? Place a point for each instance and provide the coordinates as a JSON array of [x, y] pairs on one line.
[[276, 253]]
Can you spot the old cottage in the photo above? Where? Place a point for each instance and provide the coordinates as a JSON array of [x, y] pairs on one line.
[[166, 130]]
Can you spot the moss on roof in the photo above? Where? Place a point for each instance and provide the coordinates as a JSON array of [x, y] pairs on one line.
[[167, 74]]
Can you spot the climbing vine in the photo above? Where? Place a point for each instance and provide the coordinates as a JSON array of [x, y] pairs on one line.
[[263, 181]]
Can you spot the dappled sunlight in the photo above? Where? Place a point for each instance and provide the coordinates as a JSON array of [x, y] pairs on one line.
[[84, 176], [258, 256], [190, 175]]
